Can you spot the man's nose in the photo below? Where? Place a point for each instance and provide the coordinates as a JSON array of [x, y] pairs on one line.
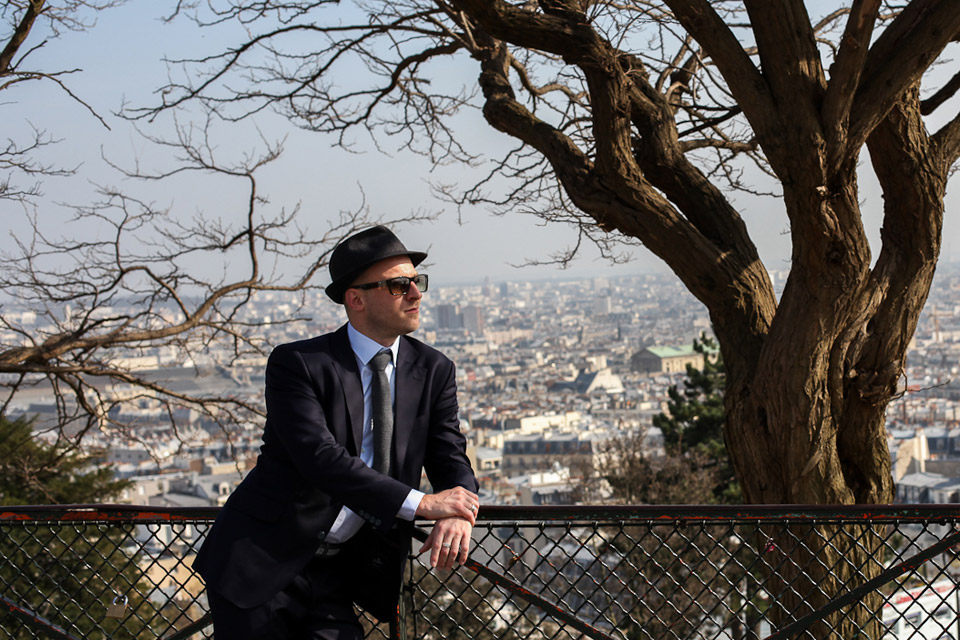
[[413, 293]]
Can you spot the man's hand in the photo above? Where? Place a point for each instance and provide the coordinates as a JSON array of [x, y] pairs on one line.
[[456, 502], [448, 542]]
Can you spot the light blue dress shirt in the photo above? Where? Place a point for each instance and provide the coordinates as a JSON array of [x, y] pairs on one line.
[[348, 522]]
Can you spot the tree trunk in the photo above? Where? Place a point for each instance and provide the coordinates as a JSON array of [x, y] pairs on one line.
[[814, 402], [806, 422]]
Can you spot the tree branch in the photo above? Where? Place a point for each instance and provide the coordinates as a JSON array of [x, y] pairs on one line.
[[845, 77], [549, 31], [897, 60], [947, 141], [789, 59], [718, 42], [19, 35], [945, 92]]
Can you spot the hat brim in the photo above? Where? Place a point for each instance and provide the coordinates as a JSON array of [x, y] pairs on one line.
[[336, 289]]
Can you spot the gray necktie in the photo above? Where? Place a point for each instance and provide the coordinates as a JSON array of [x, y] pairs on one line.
[[382, 410]]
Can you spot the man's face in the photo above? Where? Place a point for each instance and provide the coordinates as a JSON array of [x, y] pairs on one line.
[[376, 312]]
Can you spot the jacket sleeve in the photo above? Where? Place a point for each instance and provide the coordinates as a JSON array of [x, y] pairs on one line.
[[298, 422]]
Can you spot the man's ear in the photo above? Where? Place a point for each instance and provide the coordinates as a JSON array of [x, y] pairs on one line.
[[353, 300]]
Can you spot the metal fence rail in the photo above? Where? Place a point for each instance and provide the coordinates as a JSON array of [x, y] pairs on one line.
[[625, 573]]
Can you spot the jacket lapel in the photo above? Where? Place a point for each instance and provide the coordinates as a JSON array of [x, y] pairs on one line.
[[409, 379], [349, 373]]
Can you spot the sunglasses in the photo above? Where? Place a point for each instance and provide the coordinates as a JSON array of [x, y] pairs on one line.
[[397, 286]]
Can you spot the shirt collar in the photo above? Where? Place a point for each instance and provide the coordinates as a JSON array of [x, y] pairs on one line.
[[365, 348]]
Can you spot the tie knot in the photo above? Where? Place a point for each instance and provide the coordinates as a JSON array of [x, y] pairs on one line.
[[380, 361]]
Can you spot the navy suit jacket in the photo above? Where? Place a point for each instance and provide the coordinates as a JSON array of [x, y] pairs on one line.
[[309, 464]]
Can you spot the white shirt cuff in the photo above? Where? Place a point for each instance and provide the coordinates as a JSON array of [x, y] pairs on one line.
[[409, 507]]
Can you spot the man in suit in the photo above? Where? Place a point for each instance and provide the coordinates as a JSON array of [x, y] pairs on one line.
[[319, 524]]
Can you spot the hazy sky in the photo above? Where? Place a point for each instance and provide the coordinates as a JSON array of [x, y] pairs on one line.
[[120, 60]]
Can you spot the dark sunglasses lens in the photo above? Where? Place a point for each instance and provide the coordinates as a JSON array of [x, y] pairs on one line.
[[421, 282], [400, 286]]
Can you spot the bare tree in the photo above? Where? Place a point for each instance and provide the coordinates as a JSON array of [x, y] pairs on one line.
[[43, 20], [635, 120], [156, 280]]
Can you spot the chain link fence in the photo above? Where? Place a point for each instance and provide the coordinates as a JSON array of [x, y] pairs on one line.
[[624, 573]]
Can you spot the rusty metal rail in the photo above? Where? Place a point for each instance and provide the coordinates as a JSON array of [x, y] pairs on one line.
[[697, 572]]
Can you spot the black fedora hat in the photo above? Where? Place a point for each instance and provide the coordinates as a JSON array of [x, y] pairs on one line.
[[352, 256]]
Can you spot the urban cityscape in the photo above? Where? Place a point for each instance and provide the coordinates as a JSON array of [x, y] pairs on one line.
[[546, 372]]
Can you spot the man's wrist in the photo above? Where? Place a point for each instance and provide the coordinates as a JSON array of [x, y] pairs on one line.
[[408, 510]]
